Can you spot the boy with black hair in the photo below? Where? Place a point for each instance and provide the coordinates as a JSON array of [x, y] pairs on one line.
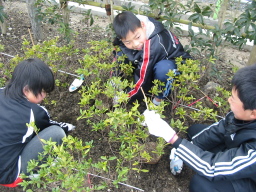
[[223, 154], [31, 80], [151, 48]]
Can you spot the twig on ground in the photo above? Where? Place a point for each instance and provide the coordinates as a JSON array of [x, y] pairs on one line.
[[195, 101], [144, 97], [31, 37], [112, 180], [214, 103]]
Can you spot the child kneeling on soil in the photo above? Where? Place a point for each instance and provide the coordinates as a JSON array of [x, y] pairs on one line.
[[223, 154], [152, 50], [31, 80]]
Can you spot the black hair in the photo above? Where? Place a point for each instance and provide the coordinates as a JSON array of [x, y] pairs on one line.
[[32, 73], [244, 82], [125, 22]]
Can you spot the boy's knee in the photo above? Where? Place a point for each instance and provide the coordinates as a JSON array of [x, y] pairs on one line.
[[193, 185], [199, 183], [57, 130], [54, 132], [162, 68]]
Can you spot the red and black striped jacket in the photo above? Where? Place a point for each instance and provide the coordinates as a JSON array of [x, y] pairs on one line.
[[161, 45]]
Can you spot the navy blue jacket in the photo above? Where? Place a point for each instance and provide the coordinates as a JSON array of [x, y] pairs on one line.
[[15, 134], [236, 158]]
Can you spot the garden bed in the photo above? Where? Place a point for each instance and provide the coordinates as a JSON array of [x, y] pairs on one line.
[[159, 177]]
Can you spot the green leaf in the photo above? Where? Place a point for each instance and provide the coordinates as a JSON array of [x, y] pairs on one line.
[[207, 11], [194, 17], [197, 8]]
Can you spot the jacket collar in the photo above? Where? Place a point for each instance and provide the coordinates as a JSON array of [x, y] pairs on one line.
[[233, 124]]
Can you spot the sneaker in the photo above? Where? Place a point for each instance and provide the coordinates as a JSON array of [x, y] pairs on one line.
[[33, 176], [157, 103]]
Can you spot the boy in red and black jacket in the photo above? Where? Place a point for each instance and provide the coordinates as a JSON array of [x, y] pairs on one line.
[[151, 48]]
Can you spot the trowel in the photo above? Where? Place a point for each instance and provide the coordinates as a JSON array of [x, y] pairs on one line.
[[76, 83]]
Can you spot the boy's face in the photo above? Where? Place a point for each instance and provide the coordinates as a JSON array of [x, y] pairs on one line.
[[237, 107], [32, 98], [135, 40]]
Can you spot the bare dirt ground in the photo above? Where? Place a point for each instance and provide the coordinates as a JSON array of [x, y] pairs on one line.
[[159, 177]]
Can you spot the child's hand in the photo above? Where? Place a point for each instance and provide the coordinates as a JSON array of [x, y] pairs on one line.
[[176, 163], [158, 126], [70, 127], [65, 126]]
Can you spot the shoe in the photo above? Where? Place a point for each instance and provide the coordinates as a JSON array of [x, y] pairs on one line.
[[115, 100], [33, 176], [157, 103]]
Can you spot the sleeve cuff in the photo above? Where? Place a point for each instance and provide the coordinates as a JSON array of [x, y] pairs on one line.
[[177, 143]]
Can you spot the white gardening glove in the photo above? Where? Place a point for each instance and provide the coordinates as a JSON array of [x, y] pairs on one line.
[[115, 100], [65, 126], [158, 126], [70, 126], [176, 164]]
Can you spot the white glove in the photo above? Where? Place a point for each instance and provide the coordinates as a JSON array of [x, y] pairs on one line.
[[65, 126], [115, 100], [116, 86], [176, 163], [70, 127], [158, 126]]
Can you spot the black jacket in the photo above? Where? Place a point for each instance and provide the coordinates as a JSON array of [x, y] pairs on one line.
[[14, 133], [161, 45], [236, 158]]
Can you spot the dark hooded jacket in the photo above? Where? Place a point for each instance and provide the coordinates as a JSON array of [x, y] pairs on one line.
[[15, 115], [236, 155], [161, 45]]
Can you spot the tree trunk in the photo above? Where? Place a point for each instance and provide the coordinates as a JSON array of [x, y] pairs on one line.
[[3, 25], [252, 58], [221, 16], [35, 23], [222, 13], [65, 11]]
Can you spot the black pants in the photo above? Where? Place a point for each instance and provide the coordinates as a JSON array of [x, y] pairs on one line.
[[201, 184]]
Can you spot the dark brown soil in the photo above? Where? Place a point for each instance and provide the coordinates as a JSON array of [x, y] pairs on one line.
[[159, 177]]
